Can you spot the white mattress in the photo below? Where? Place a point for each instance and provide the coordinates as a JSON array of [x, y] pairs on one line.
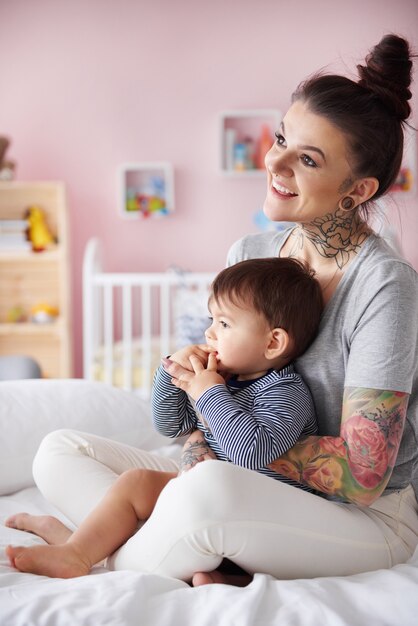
[[127, 598]]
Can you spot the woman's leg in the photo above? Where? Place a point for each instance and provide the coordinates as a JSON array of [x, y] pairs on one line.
[[74, 470], [131, 498], [218, 510]]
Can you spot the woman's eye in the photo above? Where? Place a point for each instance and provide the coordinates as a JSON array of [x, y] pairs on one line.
[[308, 161], [280, 140]]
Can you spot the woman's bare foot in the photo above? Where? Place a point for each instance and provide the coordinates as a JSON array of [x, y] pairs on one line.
[[63, 561], [47, 527], [215, 577]]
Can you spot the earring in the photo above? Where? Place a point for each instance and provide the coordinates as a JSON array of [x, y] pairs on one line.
[[347, 203]]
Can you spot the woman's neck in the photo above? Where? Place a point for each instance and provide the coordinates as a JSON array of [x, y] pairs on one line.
[[331, 241], [328, 244]]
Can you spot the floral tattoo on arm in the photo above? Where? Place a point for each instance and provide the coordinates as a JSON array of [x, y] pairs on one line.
[[357, 465]]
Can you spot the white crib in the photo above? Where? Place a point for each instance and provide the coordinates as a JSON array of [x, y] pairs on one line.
[[131, 320]]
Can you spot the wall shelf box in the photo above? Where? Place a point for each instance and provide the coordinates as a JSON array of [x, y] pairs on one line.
[[146, 190], [28, 279], [245, 136]]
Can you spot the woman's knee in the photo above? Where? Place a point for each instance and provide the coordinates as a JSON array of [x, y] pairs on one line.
[[47, 458], [208, 491]]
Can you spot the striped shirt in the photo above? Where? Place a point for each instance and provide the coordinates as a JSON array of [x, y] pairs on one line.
[[249, 423]]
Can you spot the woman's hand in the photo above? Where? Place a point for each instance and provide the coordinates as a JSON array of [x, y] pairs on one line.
[[182, 356], [197, 380], [357, 465], [195, 451]]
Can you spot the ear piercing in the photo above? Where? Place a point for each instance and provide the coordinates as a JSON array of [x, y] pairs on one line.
[[347, 203]]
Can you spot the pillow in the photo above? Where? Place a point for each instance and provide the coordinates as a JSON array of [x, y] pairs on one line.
[[30, 409], [191, 315]]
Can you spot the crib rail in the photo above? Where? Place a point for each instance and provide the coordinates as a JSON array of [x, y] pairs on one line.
[[128, 307]]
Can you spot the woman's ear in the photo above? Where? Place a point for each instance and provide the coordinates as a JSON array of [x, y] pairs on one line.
[[278, 345], [364, 189]]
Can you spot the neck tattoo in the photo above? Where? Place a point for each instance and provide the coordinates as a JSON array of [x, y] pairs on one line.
[[336, 236]]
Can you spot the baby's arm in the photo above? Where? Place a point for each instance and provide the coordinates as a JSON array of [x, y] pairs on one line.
[[195, 450], [172, 414]]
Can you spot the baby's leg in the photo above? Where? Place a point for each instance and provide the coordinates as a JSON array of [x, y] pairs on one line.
[[109, 525]]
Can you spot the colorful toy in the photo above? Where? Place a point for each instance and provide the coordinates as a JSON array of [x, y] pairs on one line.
[[148, 200], [16, 315], [38, 231], [404, 181], [43, 313]]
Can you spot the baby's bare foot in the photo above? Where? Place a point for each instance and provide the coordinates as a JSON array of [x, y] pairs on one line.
[[215, 577], [47, 527], [55, 561]]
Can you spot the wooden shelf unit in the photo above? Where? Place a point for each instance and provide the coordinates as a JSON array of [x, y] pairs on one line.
[[30, 278]]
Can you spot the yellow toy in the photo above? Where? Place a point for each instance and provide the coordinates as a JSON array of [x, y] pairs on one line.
[[43, 313], [38, 231], [15, 315]]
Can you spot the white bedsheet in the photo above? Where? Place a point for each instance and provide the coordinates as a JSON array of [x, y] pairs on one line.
[[386, 597]]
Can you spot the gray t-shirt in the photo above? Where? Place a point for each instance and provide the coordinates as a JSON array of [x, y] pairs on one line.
[[368, 337]]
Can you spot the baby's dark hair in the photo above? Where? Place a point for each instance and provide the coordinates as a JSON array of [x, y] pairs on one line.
[[285, 291], [371, 112]]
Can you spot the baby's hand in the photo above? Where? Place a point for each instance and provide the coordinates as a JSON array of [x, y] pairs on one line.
[[201, 378], [195, 451]]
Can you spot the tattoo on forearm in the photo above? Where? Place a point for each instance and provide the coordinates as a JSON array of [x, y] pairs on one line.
[[193, 453], [357, 465]]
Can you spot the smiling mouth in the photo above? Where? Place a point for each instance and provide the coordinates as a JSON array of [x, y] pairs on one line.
[[283, 191]]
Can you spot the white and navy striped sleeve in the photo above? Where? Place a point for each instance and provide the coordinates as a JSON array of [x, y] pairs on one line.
[[258, 424], [172, 414]]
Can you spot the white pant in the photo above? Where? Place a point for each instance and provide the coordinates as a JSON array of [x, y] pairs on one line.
[[219, 510]]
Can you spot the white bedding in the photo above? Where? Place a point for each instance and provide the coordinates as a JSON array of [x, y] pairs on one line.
[[386, 597]]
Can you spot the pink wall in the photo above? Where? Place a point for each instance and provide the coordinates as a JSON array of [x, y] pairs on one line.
[[89, 84]]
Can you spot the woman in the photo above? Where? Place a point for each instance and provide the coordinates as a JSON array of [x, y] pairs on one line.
[[339, 148]]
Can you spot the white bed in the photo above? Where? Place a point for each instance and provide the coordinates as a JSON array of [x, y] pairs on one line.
[[29, 409]]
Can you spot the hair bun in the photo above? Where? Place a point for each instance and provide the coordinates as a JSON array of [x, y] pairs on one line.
[[387, 73]]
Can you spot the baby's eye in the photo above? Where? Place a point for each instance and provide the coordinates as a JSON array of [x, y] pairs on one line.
[[223, 324], [308, 161], [280, 140]]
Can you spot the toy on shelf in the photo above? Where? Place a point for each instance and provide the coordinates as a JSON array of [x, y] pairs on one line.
[[7, 168], [16, 315], [43, 313], [404, 181], [245, 138], [149, 200], [263, 146], [38, 230]]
